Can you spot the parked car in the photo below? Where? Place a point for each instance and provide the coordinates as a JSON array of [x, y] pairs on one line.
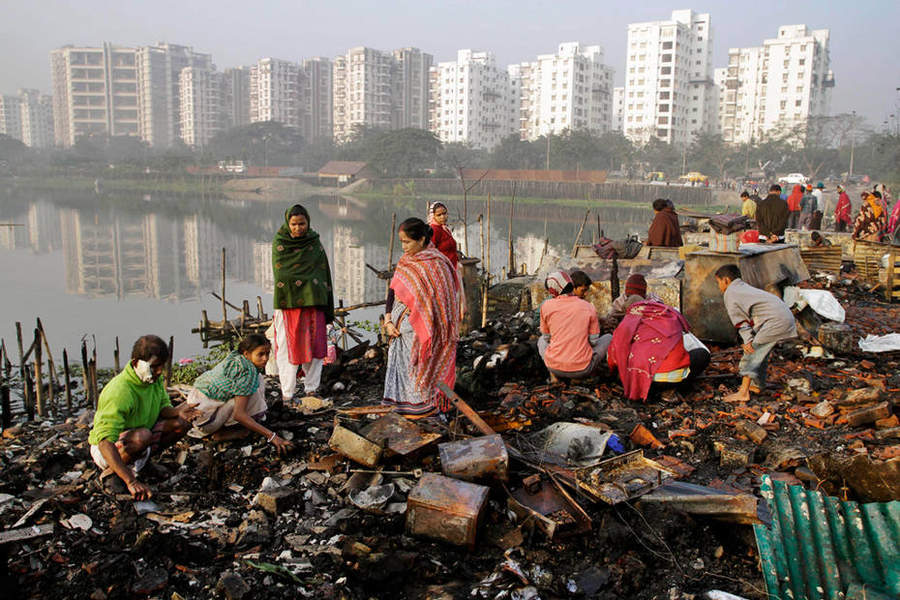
[[794, 179], [693, 177]]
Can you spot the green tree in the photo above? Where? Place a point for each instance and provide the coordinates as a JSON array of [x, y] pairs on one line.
[[12, 151], [710, 155], [515, 153], [261, 144], [403, 153]]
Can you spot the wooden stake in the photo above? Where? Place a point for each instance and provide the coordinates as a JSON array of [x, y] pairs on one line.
[[27, 399], [69, 380], [260, 314], [224, 306], [511, 255], [116, 356], [489, 237], [94, 386], [6, 411], [38, 374], [86, 375], [580, 230], [52, 382], [387, 288], [169, 362], [342, 320]]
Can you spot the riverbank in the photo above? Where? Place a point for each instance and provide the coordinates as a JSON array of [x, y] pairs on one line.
[[161, 184]]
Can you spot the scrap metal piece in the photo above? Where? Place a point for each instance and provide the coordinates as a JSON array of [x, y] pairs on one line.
[[446, 509], [702, 500], [398, 434], [622, 477], [475, 458], [354, 446], [553, 510], [821, 547]]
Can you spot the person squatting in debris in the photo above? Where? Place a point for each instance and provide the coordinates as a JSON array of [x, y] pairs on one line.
[[570, 344], [653, 344], [664, 230], [635, 291], [422, 322], [762, 320], [231, 397], [772, 216], [304, 303], [135, 418], [817, 241]]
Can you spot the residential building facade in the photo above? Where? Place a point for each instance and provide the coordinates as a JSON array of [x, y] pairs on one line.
[[470, 101], [411, 97], [777, 86], [201, 105], [363, 91], [36, 118], [275, 92], [669, 87], [317, 110], [618, 108], [95, 92], [236, 97], [11, 116]]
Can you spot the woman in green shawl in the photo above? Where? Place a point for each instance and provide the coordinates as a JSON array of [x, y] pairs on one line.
[[304, 303]]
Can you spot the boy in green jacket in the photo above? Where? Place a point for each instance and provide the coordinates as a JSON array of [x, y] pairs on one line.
[[136, 418]]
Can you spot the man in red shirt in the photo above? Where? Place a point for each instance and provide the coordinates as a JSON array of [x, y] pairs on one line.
[[570, 344]]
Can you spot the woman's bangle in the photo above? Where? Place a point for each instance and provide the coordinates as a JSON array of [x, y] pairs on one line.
[[272, 438]]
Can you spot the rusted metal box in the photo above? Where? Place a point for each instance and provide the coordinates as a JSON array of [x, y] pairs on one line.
[[475, 458], [446, 509], [762, 266]]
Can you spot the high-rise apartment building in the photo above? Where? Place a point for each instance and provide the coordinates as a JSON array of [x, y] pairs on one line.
[[159, 70], [11, 116], [618, 108], [569, 90], [669, 88], [777, 86], [236, 97], [363, 91], [275, 92], [317, 103], [470, 100], [202, 110], [36, 118], [411, 99], [95, 92]]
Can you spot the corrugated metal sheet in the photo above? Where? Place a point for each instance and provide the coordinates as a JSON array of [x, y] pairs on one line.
[[819, 547]]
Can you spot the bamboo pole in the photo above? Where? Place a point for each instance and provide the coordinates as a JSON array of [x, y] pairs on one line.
[[52, 382], [4, 391], [393, 235], [38, 373], [169, 361], [95, 388], [511, 254], [69, 380], [116, 356], [86, 375], [26, 390], [342, 320], [489, 238], [224, 306], [580, 230]]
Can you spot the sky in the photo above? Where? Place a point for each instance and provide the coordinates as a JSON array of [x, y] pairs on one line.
[[865, 34]]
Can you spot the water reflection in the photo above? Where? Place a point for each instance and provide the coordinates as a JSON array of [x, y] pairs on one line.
[[123, 265]]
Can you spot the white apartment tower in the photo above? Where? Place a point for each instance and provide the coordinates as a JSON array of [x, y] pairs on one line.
[[159, 71], [777, 86], [316, 97], [95, 92], [569, 90], [470, 101], [275, 92], [36, 118], [669, 88], [411, 99], [202, 93], [363, 91], [618, 108], [236, 97], [11, 116]]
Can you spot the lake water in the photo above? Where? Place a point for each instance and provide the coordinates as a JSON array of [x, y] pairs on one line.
[[98, 267]]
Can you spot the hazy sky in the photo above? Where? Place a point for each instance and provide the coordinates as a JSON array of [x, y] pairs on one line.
[[865, 51]]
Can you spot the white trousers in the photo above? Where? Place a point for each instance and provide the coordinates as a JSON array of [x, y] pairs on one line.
[[287, 372]]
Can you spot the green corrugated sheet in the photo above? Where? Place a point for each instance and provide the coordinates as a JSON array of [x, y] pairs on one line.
[[819, 547]]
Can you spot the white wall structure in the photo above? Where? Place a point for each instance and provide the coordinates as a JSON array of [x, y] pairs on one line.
[[412, 67], [363, 91], [11, 116], [36, 118], [569, 90], [201, 105], [470, 100], [618, 108], [317, 101], [669, 87], [275, 92], [777, 86]]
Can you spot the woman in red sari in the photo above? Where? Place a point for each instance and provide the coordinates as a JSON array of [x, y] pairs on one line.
[[422, 320], [442, 237]]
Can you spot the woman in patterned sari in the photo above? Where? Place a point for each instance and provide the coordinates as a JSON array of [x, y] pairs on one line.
[[871, 220], [422, 320], [304, 302]]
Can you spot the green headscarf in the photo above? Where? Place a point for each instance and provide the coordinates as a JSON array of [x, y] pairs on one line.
[[302, 274]]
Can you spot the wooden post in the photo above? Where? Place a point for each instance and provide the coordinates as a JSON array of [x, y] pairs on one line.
[[51, 370], [580, 229], [224, 306], [245, 313], [29, 387], [69, 379], [169, 362], [38, 373], [26, 390], [95, 388], [387, 288], [4, 391], [511, 254], [342, 320], [614, 278], [489, 238], [86, 376], [116, 356]]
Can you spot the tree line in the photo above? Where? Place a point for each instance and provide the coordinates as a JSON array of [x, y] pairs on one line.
[[820, 148]]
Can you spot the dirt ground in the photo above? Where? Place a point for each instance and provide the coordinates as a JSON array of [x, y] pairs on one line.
[[207, 538]]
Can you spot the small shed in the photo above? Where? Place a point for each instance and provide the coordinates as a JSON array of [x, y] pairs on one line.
[[342, 172]]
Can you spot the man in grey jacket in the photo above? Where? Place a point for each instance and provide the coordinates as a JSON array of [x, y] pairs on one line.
[[762, 320]]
